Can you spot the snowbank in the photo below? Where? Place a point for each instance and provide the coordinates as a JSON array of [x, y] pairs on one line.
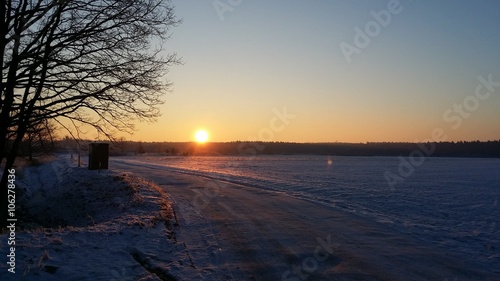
[[76, 224]]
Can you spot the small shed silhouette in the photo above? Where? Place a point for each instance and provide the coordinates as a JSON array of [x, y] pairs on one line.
[[98, 155]]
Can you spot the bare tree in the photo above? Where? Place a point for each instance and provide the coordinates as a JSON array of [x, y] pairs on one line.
[[94, 62], [39, 138]]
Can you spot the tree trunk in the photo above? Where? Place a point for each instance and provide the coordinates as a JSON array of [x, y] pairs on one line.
[[11, 157]]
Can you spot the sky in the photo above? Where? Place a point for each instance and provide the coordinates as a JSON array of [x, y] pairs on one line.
[[332, 71]]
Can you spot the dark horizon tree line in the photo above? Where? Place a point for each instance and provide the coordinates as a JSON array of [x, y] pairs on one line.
[[240, 148]]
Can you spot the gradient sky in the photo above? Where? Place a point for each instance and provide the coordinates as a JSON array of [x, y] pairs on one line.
[[256, 56]]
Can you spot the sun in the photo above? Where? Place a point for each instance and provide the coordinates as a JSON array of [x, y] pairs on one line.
[[201, 136]]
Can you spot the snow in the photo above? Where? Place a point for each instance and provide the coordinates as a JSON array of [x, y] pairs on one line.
[[90, 225], [271, 218], [449, 202], [427, 229]]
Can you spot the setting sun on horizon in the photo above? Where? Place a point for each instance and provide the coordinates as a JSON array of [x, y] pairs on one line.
[[201, 136]]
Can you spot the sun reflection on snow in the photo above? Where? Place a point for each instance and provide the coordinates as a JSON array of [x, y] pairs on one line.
[[329, 161]]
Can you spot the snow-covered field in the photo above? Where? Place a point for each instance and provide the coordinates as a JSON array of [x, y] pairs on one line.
[[265, 218], [451, 203]]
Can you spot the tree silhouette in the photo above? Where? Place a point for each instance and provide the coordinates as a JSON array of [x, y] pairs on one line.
[[39, 137], [94, 62]]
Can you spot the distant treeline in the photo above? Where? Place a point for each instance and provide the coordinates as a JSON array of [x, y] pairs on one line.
[[441, 149]]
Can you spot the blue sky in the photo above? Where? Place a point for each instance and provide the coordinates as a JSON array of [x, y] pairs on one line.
[[256, 56]]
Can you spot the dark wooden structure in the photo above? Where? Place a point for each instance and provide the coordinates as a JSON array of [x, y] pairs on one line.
[[98, 156]]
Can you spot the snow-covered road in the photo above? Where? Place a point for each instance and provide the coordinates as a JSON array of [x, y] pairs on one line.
[[234, 232]]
